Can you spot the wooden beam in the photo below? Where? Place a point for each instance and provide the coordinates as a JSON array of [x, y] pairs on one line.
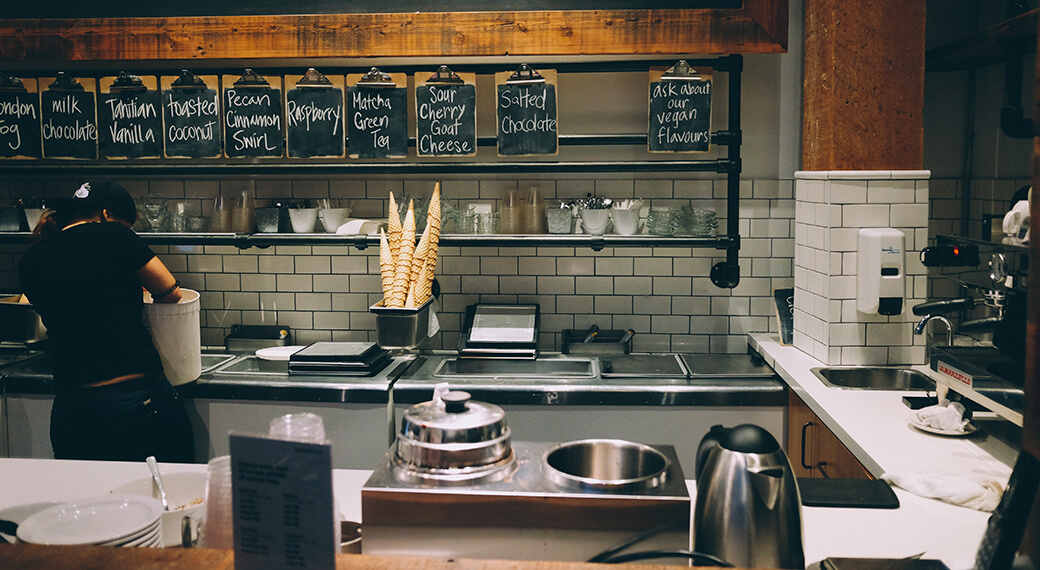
[[863, 85], [761, 28]]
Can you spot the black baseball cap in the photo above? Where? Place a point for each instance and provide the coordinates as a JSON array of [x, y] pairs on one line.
[[106, 195]]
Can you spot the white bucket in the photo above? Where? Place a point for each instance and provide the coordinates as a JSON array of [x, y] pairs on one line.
[[175, 332]]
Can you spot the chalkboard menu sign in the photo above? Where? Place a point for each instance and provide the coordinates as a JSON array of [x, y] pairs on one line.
[[191, 116], [314, 116], [19, 118], [252, 116], [377, 115], [446, 114], [68, 110], [131, 122], [526, 103], [680, 111]]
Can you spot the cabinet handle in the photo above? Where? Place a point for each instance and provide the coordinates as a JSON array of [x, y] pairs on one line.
[[822, 470], [805, 428]]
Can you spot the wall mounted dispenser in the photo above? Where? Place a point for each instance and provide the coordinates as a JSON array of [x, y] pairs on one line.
[[880, 281]]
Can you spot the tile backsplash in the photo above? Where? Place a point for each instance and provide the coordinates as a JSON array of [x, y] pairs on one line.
[[323, 292]]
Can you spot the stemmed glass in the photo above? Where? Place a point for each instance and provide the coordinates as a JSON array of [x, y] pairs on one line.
[[154, 208]]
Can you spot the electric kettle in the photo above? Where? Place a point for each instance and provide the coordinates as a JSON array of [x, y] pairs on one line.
[[748, 509]]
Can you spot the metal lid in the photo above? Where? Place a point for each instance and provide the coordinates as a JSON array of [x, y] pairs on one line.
[[452, 431]]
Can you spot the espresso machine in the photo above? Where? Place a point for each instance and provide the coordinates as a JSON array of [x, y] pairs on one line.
[[988, 280]]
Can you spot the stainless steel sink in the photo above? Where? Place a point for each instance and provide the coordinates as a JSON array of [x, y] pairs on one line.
[[559, 368], [251, 364], [211, 361], [875, 378]]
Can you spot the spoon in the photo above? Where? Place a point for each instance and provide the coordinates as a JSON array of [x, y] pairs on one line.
[[153, 466]]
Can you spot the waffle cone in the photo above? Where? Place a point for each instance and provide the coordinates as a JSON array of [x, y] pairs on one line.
[[403, 269], [409, 301], [419, 258], [386, 263], [433, 223], [423, 285], [393, 227]]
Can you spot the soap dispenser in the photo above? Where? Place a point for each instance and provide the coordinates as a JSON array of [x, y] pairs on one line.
[[880, 279]]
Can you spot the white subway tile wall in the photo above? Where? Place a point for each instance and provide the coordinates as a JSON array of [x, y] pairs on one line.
[[830, 209], [323, 293]]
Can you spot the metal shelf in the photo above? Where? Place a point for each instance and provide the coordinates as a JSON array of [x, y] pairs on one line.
[[363, 241], [308, 168]]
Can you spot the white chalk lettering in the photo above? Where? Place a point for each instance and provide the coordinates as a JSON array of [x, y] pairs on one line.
[[11, 130], [296, 114], [194, 107], [130, 109], [368, 101], [17, 108], [191, 132], [245, 141], [523, 98], [134, 134], [77, 132]]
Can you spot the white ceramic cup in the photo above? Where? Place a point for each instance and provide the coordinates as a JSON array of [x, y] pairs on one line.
[[626, 222], [333, 218], [303, 220], [185, 494], [595, 221]]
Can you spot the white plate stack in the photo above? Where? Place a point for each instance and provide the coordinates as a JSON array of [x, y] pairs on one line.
[[114, 520]]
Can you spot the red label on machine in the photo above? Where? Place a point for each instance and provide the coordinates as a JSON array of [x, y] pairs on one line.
[[951, 372]]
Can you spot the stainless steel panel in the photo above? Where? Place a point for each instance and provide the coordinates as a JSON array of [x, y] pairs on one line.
[[464, 368]]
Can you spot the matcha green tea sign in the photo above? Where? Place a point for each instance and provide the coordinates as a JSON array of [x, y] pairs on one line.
[[680, 110], [526, 103]]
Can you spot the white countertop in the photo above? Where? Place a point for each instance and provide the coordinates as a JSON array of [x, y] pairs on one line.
[[874, 426]]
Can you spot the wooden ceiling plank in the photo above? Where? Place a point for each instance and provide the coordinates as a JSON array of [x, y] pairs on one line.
[[584, 32]]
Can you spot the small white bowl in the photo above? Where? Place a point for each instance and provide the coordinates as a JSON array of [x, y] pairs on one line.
[[185, 494]]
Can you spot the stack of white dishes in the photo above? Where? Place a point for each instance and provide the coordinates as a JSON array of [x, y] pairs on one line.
[[114, 520]]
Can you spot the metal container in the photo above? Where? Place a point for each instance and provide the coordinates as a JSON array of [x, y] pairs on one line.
[[606, 342], [606, 464], [19, 322], [250, 338], [400, 328], [525, 516], [452, 439]]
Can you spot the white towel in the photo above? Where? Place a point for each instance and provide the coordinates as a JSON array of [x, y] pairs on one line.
[[947, 416], [979, 494]]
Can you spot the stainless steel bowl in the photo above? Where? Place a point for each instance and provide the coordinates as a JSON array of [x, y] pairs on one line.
[[605, 464]]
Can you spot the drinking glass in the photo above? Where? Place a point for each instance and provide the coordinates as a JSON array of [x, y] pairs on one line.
[[153, 206]]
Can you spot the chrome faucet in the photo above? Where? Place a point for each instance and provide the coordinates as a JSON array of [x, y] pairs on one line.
[[921, 326]]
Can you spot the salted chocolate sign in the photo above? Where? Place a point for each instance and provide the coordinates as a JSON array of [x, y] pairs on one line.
[[527, 119]]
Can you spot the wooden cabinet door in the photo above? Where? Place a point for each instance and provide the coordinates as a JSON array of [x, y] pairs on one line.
[[801, 423], [810, 443]]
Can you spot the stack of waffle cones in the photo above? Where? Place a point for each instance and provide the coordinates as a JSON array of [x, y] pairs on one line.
[[407, 269]]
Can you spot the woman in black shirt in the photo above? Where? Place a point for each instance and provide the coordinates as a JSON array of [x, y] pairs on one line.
[[84, 276]]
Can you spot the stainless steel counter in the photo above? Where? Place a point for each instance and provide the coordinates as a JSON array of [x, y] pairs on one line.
[[706, 380]]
